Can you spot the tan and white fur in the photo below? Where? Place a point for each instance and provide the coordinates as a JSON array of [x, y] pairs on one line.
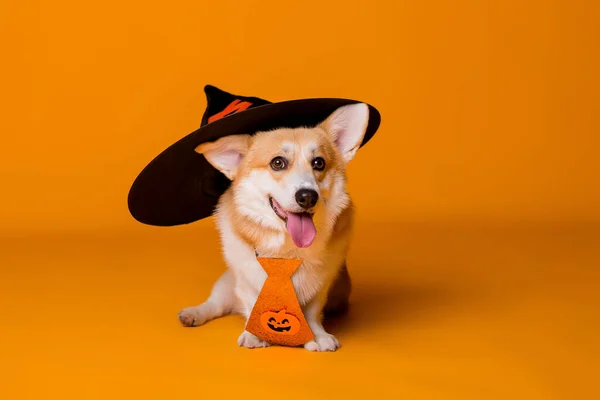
[[249, 219]]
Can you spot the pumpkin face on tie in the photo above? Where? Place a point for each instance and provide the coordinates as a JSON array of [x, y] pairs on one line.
[[280, 322]]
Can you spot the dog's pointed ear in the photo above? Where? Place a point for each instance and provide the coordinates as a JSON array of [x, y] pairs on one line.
[[347, 126], [226, 153]]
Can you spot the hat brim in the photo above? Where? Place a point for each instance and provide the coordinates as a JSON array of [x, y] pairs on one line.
[[179, 186]]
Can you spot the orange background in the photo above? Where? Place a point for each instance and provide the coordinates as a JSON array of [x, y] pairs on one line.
[[482, 181]]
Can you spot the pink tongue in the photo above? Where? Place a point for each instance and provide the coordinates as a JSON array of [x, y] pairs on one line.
[[301, 228]]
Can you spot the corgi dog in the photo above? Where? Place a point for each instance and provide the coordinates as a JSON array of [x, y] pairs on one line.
[[287, 199]]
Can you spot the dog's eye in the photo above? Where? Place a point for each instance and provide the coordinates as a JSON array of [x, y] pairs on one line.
[[318, 164], [278, 163]]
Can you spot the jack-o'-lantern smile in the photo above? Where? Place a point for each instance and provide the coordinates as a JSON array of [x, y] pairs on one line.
[[284, 325]]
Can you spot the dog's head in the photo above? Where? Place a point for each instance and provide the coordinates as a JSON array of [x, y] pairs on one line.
[[292, 179]]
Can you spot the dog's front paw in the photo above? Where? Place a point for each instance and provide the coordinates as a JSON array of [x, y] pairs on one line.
[[324, 342], [193, 316], [250, 341]]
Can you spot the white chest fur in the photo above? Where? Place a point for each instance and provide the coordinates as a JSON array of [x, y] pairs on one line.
[[314, 274]]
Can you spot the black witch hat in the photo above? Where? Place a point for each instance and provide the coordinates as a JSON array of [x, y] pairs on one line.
[[180, 186]]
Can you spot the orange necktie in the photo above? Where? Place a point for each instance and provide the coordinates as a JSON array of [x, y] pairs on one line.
[[277, 317]]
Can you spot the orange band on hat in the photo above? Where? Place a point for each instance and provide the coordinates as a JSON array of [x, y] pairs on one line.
[[232, 108]]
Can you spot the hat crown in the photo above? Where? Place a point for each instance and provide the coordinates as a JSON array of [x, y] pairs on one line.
[[221, 104]]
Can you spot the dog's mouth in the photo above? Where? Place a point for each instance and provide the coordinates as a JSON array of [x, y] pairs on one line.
[[279, 211], [300, 226]]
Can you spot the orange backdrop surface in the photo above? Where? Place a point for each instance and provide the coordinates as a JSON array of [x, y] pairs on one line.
[[478, 239]]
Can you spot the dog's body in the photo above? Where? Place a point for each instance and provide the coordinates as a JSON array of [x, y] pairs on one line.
[[288, 200]]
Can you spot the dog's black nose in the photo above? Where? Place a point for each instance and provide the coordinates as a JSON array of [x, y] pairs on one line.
[[306, 198]]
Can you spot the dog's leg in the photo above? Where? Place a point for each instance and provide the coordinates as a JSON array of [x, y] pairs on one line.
[[251, 341], [339, 294], [323, 341], [220, 302], [248, 297]]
